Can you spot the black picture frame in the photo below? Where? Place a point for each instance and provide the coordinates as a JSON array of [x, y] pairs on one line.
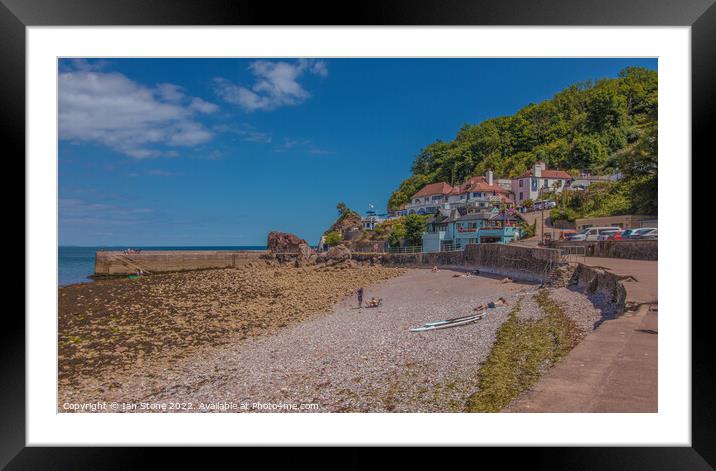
[[16, 15]]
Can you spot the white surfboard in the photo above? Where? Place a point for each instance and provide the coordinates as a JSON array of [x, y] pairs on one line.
[[446, 324]]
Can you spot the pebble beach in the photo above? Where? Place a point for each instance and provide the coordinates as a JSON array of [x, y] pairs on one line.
[[280, 335]]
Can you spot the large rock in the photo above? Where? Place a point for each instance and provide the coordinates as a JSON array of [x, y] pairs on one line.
[[284, 242], [338, 253]]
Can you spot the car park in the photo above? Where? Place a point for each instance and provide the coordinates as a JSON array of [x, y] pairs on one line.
[[618, 235], [645, 233], [592, 233], [626, 233], [608, 235]]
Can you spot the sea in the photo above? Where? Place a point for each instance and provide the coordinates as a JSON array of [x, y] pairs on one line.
[[76, 264]]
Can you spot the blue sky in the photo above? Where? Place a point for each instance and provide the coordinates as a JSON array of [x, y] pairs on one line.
[[222, 151]]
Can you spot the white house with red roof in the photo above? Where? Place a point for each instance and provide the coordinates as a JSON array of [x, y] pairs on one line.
[[533, 183], [477, 192]]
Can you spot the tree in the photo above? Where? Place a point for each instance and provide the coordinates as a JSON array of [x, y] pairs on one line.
[[587, 153], [415, 226], [397, 234], [342, 209], [333, 238]]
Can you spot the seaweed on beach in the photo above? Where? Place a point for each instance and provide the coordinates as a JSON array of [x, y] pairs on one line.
[[523, 350]]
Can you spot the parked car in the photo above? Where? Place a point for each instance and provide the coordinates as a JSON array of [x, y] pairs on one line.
[[626, 233], [645, 233], [608, 235], [547, 204], [566, 234], [591, 233], [619, 235]]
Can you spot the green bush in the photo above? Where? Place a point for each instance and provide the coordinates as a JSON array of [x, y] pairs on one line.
[[333, 238]]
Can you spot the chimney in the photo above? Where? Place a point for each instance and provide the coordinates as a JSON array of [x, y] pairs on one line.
[[538, 169], [488, 176]]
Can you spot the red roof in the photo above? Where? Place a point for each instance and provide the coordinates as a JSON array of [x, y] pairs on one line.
[[474, 184], [549, 174], [484, 187], [480, 184], [434, 189]]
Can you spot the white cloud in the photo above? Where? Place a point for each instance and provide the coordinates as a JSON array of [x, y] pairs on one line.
[[114, 111], [276, 84], [203, 106], [245, 131], [170, 92]]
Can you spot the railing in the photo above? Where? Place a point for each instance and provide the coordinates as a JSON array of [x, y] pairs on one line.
[[451, 247], [410, 249], [419, 249], [571, 253]]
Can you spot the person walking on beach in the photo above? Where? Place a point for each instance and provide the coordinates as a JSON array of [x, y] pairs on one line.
[[359, 293]]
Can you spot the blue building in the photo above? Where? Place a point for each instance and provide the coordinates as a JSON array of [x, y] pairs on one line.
[[453, 229]]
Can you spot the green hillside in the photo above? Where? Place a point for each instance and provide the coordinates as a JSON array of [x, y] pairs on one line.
[[605, 126]]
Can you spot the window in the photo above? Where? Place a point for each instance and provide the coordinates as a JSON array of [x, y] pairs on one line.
[[521, 184], [520, 191]]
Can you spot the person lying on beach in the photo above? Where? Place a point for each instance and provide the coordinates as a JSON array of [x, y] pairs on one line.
[[435, 269], [506, 280], [491, 305], [500, 302], [373, 303]]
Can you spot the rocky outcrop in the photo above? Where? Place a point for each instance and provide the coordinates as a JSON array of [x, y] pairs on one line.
[[339, 253], [281, 244], [348, 223], [284, 242]]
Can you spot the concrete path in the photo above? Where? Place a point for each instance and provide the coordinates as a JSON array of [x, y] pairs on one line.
[[615, 368]]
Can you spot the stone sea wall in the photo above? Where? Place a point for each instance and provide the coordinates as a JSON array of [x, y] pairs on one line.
[[521, 263], [119, 263], [630, 249]]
